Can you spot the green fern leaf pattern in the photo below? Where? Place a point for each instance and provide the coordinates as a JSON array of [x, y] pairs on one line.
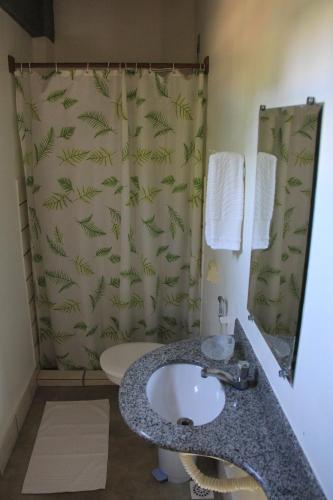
[[93, 357], [60, 278], [90, 228], [66, 184], [159, 123], [304, 158], [114, 258], [101, 156], [92, 331], [116, 220], [34, 111], [294, 287], [183, 108], [132, 275], [179, 188], [87, 193], [161, 86], [103, 252], [101, 84], [56, 247], [142, 155], [115, 282], [308, 126], [131, 94], [66, 132], [147, 267], [161, 156], [73, 156], [161, 249], [69, 102], [189, 150], [169, 180], [175, 221], [110, 181], [171, 257], [171, 281], [82, 266], [152, 227], [34, 223], [45, 147], [57, 201], [56, 95], [294, 182], [98, 293], [81, 325], [97, 121]]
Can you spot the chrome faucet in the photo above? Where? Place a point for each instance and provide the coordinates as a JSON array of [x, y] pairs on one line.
[[242, 380]]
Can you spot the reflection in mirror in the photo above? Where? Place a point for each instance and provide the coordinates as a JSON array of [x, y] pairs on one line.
[[285, 183]]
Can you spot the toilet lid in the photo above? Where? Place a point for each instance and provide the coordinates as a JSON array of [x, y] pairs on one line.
[[118, 358]]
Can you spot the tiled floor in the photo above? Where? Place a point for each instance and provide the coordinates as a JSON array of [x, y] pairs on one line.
[[130, 458]]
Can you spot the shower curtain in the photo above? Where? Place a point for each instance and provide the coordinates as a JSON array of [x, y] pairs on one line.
[[114, 172]]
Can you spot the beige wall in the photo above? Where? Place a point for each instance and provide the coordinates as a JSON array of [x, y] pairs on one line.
[[125, 30], [277, 52], [16, 349]]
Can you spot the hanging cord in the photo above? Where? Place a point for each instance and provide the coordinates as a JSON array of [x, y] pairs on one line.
[[214, 484]]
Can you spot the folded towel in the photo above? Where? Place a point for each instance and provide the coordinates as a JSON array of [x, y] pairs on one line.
[[264, 200], [225, 201]]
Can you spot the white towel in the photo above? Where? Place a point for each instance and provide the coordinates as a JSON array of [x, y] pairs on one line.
[[264, 200], [225, 201]]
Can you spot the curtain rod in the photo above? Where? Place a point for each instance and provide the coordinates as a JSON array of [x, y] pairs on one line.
[[13, 65]]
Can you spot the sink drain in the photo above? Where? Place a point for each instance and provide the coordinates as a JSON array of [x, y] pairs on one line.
[[184, 421]]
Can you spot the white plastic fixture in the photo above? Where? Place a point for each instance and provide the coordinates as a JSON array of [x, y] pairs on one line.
[[178, 391]]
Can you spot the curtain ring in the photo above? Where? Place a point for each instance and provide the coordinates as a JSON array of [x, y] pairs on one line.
[[173, 68], [149, 68], [21, 69], [87, 68], [136, 67], [108, 66], [56, 67], [29, 67]]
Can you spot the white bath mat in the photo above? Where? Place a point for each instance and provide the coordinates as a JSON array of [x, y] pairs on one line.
[[71, 448]]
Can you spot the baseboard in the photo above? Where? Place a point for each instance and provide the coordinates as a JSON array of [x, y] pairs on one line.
[[72, 378], [11, 433]]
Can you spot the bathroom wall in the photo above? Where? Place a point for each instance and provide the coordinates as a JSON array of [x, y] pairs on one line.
[[276, 53], [126, 30], [16, 345]]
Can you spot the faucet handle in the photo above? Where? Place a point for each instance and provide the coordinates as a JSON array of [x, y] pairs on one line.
[[243, 370]]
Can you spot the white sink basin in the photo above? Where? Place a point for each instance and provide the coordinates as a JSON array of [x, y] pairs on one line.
[[178, 391]]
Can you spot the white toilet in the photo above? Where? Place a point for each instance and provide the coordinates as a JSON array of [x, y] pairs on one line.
[[115, 360]]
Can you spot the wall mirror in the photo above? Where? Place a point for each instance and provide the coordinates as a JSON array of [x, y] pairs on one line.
[[290, 138]]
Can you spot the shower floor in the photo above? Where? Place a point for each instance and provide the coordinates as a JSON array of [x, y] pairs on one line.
[[129, 464]]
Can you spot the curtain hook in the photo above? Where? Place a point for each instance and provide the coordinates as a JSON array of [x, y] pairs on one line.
[[87, 68], [29, 67], [173, 68], [21, 69], [108, 66], [136, 67], [149, 67], [56, 67]]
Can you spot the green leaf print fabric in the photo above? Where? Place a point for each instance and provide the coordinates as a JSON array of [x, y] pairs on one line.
[[277, 273], [114, 174]]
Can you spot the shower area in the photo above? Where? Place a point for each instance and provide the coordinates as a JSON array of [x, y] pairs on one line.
[[113, 159]]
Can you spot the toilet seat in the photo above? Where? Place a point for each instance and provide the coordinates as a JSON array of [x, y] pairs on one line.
[[115, 360]]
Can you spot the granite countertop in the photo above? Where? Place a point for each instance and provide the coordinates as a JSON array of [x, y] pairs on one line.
[[251, 431]]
